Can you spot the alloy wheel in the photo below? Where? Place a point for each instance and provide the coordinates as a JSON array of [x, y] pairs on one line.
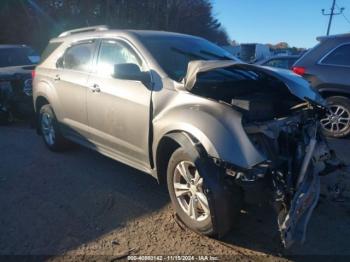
[[337, 119], [188, 187], [48, 128]]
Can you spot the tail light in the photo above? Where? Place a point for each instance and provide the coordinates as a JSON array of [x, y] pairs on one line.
[[33, 74], [299, 70]]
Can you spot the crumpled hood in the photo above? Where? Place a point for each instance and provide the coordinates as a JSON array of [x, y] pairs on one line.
[[296, 84]]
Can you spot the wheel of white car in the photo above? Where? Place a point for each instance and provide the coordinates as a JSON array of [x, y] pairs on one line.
[[336, 123], [185, 185], [50, 129]]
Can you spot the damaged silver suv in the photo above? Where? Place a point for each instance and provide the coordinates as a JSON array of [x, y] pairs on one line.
[[185, 111]]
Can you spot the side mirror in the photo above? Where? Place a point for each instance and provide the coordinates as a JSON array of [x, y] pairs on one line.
[[131, 72], [59, 63]]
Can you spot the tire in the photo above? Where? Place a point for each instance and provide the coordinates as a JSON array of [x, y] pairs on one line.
[[337, 122], [200, 220], [50, 130]]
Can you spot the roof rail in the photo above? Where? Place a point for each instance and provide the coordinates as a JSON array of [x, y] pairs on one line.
[[322, 38], [84, 30]]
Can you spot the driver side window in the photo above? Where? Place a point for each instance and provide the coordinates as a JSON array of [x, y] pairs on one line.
[[112, 53]]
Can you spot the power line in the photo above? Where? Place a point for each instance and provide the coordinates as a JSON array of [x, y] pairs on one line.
[[345, 17], [331, 14]]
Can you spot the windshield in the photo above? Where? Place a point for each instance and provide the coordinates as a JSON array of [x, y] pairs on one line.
[[17, 56], [173, 53]]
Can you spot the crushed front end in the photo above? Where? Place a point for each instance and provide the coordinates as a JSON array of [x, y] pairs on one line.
[[279, 113], [297, 154]]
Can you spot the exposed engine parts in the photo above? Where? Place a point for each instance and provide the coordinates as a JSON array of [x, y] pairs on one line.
[[297, 154]]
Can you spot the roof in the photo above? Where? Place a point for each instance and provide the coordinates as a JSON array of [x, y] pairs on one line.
[[75, 34], [322, 38], [157, 33]]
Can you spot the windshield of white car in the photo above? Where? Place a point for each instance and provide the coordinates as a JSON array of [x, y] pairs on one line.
[[173, 53]]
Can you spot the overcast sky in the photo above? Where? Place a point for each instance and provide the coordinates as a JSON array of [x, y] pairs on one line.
[[297, 22]]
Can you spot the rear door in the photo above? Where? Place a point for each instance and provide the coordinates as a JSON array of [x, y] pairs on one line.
[[70, 82], [118, 109]]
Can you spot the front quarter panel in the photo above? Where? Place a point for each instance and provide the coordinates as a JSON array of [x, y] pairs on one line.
[[216, 126]]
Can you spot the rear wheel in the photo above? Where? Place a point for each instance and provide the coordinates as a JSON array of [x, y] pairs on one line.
[[185, 185], [50, 130], [336, 123]]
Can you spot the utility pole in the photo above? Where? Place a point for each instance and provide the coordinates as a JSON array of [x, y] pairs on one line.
[[331, 14]]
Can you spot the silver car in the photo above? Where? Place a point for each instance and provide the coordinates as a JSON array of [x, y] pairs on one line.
[[188, 113]]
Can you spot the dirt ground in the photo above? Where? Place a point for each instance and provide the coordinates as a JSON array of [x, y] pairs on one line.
[[81, 205]]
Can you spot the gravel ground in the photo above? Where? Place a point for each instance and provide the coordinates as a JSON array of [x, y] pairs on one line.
[[81, 205]]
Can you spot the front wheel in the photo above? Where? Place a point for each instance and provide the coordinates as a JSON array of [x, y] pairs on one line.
[[336, 123], [185, 185]]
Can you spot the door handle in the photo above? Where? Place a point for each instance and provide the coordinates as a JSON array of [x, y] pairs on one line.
[[57, 78], [95, 88]]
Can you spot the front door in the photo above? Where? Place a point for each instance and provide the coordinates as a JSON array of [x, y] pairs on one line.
[[119, 110]]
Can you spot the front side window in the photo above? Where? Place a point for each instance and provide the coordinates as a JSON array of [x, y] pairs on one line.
[[79, 57], [112, 53], [340, 56]]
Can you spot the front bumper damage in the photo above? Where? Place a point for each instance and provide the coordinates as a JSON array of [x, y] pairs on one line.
[[297, 154], [16, 96]]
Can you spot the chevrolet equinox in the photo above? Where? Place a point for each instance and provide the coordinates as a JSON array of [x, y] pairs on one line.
[[185, 111]]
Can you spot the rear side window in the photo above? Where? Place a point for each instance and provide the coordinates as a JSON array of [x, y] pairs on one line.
[[49, 50], [340, 56], [79, 57]]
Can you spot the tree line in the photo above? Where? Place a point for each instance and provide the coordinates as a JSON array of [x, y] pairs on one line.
[[34, 22]]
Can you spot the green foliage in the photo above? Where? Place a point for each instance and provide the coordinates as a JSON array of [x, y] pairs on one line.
[[36, 21]]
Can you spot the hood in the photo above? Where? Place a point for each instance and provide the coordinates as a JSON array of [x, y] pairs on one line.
[[296, 84]]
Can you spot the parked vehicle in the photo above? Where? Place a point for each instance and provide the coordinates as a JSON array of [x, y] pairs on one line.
[[327, 68], [183, 110], [252, 53], [284, 62], [16, 64]]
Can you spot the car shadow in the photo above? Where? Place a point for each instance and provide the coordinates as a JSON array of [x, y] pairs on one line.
[[55, 202]]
